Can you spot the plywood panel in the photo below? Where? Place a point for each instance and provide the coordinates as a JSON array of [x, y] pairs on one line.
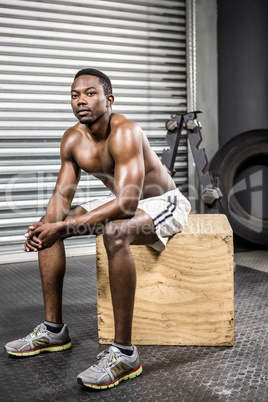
[[184, 294]]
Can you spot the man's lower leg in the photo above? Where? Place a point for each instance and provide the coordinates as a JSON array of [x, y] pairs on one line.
[[52, 263], [122, 273]]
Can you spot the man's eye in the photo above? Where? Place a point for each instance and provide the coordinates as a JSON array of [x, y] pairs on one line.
[[90, 93], [74, 96]]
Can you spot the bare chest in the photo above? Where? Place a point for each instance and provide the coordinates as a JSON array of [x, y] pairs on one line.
[[94, 158]]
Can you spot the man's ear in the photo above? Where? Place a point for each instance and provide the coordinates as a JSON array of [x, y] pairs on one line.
[[109, 100]]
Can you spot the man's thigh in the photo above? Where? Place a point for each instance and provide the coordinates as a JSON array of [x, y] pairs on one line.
[[140, 228], [78, 211]]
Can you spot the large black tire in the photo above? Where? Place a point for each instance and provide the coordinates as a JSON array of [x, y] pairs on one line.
[[240, 153]]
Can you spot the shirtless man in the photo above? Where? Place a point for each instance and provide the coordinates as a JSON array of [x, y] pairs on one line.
[[145, 208]]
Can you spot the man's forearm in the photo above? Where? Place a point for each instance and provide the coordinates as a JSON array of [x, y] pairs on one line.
[[57, 209], [93, 221]]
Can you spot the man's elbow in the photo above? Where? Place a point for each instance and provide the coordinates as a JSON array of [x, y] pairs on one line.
[[128, 207]]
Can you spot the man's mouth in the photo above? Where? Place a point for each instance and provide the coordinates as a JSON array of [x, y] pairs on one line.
[[82, 111]]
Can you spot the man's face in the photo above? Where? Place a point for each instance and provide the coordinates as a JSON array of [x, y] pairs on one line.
[[88, 100]]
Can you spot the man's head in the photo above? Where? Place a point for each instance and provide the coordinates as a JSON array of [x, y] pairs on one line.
[[104, 80], [91, 96]]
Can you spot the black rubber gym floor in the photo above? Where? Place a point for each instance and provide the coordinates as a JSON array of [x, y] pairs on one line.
[[170, 373]]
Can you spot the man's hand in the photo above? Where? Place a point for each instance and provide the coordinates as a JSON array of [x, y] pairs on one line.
[[42, 235], [32, 243]]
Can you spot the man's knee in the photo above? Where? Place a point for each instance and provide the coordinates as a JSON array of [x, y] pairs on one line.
[[77, 210], [115, 235]]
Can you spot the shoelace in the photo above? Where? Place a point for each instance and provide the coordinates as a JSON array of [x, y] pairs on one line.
[[105, 358], [37, 329]]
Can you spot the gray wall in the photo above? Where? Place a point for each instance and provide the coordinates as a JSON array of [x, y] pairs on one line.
[[243, 66], [206, 73], [206, 87]]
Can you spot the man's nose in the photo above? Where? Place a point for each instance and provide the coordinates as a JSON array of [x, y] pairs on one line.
[[81, 100]]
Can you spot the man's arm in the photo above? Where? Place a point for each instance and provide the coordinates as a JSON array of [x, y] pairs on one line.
[[60, 202], [126, 149]]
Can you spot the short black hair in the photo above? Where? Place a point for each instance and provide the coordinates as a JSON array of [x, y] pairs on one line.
[[104, 79]]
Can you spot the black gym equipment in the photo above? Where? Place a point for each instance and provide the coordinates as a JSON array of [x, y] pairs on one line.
[[236, 181], [210, 193]]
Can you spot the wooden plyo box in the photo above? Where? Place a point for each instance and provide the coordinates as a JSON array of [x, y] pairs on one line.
[[185, 294]]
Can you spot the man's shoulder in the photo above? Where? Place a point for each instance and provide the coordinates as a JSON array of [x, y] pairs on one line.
[[70, 139], [72, 135], [74, 131], [126, 137], [121, 125]]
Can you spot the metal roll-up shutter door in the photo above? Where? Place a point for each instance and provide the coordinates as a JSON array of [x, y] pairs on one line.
[[140, 44]]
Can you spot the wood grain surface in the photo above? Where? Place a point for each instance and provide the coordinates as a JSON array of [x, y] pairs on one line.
[[185, 294]]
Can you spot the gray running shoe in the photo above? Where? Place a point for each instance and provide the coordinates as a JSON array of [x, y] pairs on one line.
[[112, 367], [40, 340]]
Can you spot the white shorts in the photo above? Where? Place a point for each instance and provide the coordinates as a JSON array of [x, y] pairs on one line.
[[169, 212]]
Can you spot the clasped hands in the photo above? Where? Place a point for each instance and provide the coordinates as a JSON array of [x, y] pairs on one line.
[[42, 235]]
